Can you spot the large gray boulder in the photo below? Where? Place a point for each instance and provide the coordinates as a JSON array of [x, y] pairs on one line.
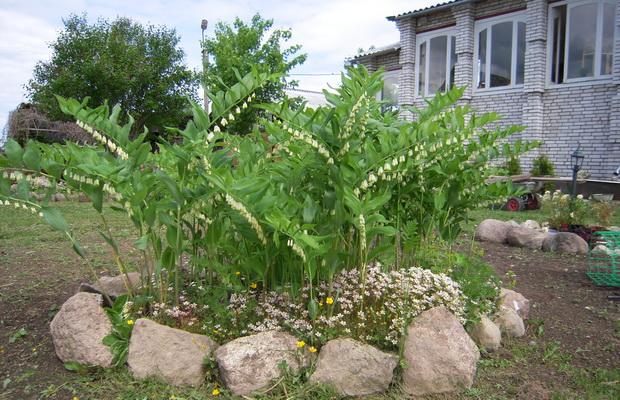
[[439, 355], [486, 334], [172, 355], [250, 363], [520, 236], [492, 230], [509, 322], [516, 301], [113, 286], [565, 242], [78, 330], [354, 368], [530, 223]]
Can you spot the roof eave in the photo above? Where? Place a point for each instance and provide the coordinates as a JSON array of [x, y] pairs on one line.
[[425, 11]]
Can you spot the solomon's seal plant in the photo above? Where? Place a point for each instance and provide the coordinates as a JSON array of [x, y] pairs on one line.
[[310, 195]]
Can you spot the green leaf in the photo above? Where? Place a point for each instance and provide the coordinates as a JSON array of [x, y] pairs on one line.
[[78, 249], [14, 152], [55, 219], [142, 242], [313, 309], [75, 366], [32, 157], [310, 210]]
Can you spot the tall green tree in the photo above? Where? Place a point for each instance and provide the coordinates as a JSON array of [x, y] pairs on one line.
[[241, 46], [123, 62]]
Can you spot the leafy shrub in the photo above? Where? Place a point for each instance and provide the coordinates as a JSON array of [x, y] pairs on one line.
[[563, 210], [542, 166], [319, 192], [512, 166], [604, 211], [122, 325]]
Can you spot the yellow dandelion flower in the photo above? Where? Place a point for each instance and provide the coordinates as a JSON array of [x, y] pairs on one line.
[[329, 300], [237, 273], [75, 398], [301, 344], [215, 392], [312, 349], [130, 322], [253, 285]]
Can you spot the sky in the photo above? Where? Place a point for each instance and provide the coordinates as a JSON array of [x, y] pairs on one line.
[[328, 30]]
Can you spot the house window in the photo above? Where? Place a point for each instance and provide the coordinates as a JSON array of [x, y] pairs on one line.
[[389, 93], [581, 36], [436, 59], [500, 52]]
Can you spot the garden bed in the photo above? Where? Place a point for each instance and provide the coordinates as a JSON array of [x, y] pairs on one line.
[[568, 357]]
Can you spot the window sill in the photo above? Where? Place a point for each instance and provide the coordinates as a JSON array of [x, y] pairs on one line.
[[498, 90], [583, 82]]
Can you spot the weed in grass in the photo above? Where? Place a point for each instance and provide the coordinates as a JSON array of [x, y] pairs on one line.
[[19, 334]]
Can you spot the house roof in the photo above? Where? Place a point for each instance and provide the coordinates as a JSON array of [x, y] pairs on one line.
[[426, 10], [378, 51]]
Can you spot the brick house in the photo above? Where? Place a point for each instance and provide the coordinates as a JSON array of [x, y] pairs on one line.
[[551, 66]]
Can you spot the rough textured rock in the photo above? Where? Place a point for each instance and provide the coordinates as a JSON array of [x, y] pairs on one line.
[[42, 182], [510, 323], [172, 355], [354, 368], [59, 197], [512, 222], [492, 230], [565, 242], [486, 334], [520, 236], [516, 301], [78, 330], [250, 363], [439, 355], [530, 223], [113, 286]]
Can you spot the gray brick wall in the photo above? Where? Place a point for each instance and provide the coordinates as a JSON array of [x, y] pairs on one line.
[[389, 61], [436, 20], [488, 8], [580, 114]]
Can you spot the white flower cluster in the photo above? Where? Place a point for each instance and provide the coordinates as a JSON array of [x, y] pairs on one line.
[[300, 252], [231, 116], [308, 139], [101, 138], [347, 129], [391, 300], [183, 314], [394, 169], [81, 178], [362, 231], [240, 208], [33, 208], [196, 212], [558, 196], [109, 189], [17, 176]]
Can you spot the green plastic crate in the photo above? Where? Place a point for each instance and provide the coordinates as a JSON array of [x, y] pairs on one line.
[[604, 263]]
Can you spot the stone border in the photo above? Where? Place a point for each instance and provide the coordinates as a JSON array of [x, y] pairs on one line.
[[439, 355]]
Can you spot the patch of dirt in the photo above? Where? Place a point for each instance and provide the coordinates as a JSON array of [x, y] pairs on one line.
[[566, 306]]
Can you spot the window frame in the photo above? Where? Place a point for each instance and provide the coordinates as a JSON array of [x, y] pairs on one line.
[[391, 73], [420, 38], [487, 23], [597, 76]]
